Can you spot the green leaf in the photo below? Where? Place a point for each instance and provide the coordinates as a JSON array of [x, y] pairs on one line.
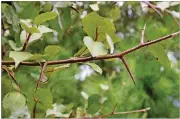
[[95, 48], [47, 7], [92, 21], [44, 96], [158, 51], [4, 5], [52, 49], [14, 100], [30, 11], [19, 56], [93, 103], [110, 42], [95, 67], [29, 29], [45, 17], [66, 19], [115, 13]]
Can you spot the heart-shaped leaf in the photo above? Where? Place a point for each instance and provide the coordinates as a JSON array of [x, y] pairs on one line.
[[95, 48], [91, 21], [13, 100]]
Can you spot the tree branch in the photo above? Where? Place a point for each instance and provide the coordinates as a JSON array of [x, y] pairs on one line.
[[120, 113], [90, 58], [26, 42], [40, 76]]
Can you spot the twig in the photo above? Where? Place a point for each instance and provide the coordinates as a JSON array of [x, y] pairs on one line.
[[120, 113], [142, 34], [127, 67], [26, 42], [153, 7], [90, 58], [40, 76], [11, 75], [34, 109], [74, 9], [156, 8]]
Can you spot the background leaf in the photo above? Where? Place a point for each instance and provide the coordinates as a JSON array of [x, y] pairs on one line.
[[93, 103], [158, 51]]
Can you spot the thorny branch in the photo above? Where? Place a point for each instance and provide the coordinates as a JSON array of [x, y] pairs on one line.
[[120, 113], [90, 58]]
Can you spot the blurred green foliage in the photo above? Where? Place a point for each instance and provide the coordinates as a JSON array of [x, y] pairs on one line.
[[156, 87]]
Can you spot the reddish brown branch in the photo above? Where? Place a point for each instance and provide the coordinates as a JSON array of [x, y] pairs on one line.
[[34, 109], [90, 58], [26, 42], [40, 76], [11, 75], [127, 67]]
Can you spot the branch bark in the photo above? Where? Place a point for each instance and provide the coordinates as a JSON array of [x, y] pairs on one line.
[[90, 58]]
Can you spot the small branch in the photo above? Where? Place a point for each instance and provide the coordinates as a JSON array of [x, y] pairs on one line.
[[34, 109], [40, 76], [74, 9], [26, 42], [120, 113], [11, 75], [142, 34], [156, 8], [127, 67], [90, 58], [153, 7], [135, 111]]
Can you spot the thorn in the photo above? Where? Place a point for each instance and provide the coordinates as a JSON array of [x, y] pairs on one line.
[[143, 33], [126, 65]]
